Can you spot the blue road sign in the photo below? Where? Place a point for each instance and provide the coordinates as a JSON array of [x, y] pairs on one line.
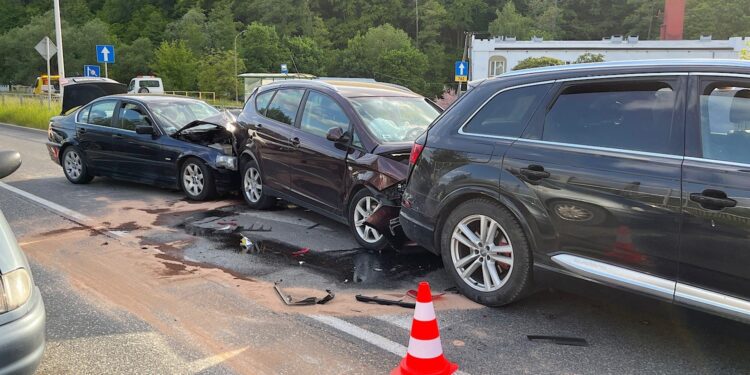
[[91, 71], [284, 69], [105, 53], [462, 71]]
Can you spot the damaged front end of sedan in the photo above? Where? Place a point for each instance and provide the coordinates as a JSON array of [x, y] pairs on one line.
[[217, 132]]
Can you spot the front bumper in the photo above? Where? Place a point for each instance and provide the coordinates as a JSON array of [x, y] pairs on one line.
[[226, 180], [22, 340]]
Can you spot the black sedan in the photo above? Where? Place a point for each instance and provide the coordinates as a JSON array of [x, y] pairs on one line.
[[166, 141]]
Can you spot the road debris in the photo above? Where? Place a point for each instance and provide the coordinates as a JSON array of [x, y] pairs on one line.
[[559, 340], [289, 301], [301, 251], [246, 244], [383, 301]]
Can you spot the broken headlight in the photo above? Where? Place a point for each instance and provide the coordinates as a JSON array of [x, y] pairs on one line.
[[15, 289], [226, 161]]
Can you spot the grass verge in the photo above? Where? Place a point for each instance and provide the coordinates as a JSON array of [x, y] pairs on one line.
[[31, 112]]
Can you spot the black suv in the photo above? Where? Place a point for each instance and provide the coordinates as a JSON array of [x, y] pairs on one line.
[[632, 174]]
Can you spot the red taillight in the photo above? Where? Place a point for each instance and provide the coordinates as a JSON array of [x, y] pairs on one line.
[[416, 150]]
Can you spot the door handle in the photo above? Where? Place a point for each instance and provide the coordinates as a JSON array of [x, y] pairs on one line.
[[535, 172], [295, 142], [117, 136], [713, 199]]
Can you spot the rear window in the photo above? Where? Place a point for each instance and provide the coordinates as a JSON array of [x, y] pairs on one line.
[[262, 100], [508, 112], [623, 115], [150, 83], [285, 105]]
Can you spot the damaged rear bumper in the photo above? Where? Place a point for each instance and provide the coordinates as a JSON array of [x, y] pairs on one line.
[[385, 219]]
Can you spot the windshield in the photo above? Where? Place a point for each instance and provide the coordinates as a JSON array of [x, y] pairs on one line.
[[174, 114], [395, 119]]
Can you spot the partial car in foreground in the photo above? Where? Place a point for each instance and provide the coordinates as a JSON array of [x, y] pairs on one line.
[[22, 313], [634, 175], [167, 141], [336, 147]]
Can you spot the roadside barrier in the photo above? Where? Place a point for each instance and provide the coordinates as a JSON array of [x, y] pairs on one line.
[[425, 353]]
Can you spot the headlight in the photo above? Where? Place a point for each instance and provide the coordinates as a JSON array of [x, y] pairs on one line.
[[226, 161], [15, 289]]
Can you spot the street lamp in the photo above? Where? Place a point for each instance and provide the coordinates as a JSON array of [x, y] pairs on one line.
[[236, 83]]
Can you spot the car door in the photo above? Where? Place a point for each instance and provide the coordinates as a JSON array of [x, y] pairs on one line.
[[138, 156], [600, 169], [715, 246], [317, 172], [94, 134], [272, 132]]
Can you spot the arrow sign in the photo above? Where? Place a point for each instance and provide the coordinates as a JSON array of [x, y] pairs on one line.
[[105, 53], [462, 71]]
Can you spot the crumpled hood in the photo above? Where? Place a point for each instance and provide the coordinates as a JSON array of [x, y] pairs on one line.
[[222, 120]]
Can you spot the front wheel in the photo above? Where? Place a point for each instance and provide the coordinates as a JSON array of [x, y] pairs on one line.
[[486, 252], [197, 180], [252, 187], [74, 166], [363, 204]]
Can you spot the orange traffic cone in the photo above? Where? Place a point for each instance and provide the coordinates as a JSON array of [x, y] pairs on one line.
[[425, 353]]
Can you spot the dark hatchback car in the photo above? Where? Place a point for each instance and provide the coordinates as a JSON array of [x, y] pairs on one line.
[[336, 147], [634, 175], [168, 141]]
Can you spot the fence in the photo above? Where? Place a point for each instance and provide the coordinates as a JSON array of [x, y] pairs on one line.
[[207, 95]]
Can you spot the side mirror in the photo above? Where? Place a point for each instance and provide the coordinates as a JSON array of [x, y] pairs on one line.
[[9, 162], [337, 135], [144, 129]]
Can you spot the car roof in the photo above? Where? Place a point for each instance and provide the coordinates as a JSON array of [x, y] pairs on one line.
[[146, 98], [627, 67], [349, 89]]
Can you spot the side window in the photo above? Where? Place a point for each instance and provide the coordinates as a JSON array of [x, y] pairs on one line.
[[508, 112], [630, 115], [322, 113], [356, 142], [102, 112], [262, 100], [284, 106], [83, 115], [131, 85], [725, 121], [132, 115]]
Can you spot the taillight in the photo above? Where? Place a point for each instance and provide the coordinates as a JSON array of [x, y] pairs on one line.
[[416, 150]]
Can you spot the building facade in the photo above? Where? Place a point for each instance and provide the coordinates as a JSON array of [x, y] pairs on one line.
[[492, 57]]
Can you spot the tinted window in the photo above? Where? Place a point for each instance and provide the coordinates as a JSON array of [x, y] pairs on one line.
[[83, 114], [322, 113], [285, 105], [102, 112], [725, 121], [262, 100], [150, 83], [132, 115], [624, 115], [508, 112]]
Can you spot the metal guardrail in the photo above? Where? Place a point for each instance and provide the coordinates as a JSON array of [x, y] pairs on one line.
[[207, 95]]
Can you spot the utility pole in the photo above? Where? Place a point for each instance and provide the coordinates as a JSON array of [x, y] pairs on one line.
[[416, 9], [58, 38], [236, 83]]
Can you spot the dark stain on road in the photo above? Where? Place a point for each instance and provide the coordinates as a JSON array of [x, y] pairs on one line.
[[128, 227]]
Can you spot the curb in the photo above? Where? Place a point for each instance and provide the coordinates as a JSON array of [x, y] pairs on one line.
[[21, 127]]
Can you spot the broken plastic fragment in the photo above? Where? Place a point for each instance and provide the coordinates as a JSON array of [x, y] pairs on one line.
[[289, 301], [301, 251], [246, 244]]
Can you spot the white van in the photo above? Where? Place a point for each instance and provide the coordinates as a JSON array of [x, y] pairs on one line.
[[146, 85]]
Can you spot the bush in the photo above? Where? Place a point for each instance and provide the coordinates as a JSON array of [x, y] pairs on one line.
[[537, 62], [589, 58], [32, 112]]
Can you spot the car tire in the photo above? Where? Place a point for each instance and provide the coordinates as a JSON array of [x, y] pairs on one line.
[[361, 206], [143, 90], [252, 187], [74, 166], [197, 180], [491, 272]]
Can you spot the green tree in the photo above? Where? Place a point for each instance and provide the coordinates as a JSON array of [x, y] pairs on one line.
[[261, 49], [536, 62], [405, 67], [190, 28], [80, 45], [220, 27], [176, 64], [589, 58], [363, 51], [134, 59], [216, 74], [511, 23], [308, 56], [721, 19], [147, 22]]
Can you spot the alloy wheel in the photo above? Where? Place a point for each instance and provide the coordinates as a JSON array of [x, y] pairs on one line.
[[253, 185], [482, 253], [73, 165], [193, 179], [362, 210]]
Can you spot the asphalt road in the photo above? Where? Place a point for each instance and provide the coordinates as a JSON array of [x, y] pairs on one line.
[[142, 281]]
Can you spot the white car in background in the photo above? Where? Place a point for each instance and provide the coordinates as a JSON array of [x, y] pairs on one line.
[[146, 85]]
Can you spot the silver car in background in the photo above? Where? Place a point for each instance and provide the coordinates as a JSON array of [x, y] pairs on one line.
[[22, 314]]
